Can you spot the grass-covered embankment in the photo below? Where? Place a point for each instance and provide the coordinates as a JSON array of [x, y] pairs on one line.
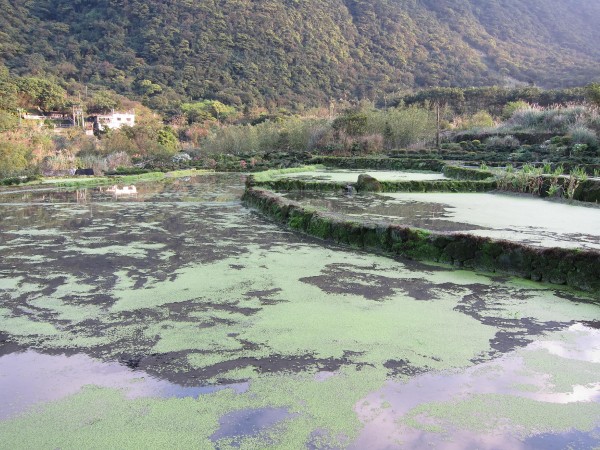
[[379, 163], [467, 173], [291, 184], [92, 181], [578, 269]]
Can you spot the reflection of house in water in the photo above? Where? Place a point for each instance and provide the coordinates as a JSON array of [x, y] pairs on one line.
[[125, 191], [114, 121], [81, 195]]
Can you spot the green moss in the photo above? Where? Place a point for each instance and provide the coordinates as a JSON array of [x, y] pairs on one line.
[[299, 219], [319, 226], [466, 173], [269, 175]]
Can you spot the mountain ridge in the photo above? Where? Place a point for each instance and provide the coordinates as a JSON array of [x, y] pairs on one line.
[[300, 51]]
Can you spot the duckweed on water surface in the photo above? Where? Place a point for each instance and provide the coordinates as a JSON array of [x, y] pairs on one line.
[[206, 294]]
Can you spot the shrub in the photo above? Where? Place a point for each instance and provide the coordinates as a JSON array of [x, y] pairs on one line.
[[556, 119], [14, 159], [507, 142], [511, 107], [583, 135], [402, 127], [482, 119]]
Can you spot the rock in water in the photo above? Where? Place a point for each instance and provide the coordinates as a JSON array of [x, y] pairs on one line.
[[368, 183]]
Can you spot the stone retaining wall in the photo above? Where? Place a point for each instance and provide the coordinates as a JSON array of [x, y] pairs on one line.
[[579, 269], [290, 184], [434, 165], [467, 173]]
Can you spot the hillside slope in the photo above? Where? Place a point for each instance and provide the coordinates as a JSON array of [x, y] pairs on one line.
[[300, 50]]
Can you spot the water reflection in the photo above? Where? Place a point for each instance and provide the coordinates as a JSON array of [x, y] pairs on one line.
[[382, 412], [122, 191], [203, 188], [249, 422], [31, 378]]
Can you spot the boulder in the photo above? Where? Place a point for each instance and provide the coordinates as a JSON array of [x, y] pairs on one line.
[[368, 183]]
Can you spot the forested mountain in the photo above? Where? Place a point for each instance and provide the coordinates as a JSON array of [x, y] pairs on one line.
[[299, 51]]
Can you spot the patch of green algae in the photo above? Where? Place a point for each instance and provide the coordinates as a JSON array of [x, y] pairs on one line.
[[105, 418], [272, 300], [268, 175], [304, 320]]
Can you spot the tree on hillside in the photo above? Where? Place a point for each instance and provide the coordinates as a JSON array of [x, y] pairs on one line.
[[41, 93], [592, 93], [8, 91], [439, 99]]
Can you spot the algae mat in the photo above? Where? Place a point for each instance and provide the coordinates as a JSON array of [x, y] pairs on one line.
[[181, 321]]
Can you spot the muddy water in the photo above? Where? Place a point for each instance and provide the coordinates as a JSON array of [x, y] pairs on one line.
[[512, 217], [180, 316]]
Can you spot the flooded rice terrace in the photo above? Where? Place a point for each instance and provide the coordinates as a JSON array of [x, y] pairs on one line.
[[173, 316], [514, 217], [351, 175]]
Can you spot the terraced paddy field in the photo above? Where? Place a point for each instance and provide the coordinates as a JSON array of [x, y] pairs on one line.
[[177, 318], [351, 176], [513, 217]]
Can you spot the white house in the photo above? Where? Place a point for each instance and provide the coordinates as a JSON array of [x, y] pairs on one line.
[[114, 121]]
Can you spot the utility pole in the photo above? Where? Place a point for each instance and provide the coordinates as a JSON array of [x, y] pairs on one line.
[[438, 125], [78, 116]]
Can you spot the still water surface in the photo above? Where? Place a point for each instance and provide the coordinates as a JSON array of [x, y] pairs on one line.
[[175, 315]]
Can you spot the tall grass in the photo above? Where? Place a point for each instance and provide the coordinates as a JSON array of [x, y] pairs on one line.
[[555, 119], [402, 127], [379, 130]]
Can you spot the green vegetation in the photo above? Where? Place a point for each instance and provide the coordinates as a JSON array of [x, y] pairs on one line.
[[167, 54], [575, 268]]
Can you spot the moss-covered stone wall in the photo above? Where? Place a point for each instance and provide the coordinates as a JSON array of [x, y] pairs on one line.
[[579, 269], [290, 184], [588, 191], [379, 163], [466, 173]]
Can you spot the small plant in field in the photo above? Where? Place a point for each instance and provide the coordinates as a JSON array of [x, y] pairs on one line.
[[577, 176], [547, 168], [596, 173], [510, 169], [560, 170], [528, 168], [579, 173], [484, 166], [579, 149], [554, 190]]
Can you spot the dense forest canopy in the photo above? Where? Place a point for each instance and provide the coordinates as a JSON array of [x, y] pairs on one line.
[[292, 52]]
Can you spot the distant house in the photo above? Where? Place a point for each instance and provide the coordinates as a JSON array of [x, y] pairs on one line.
[[114, 120]]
